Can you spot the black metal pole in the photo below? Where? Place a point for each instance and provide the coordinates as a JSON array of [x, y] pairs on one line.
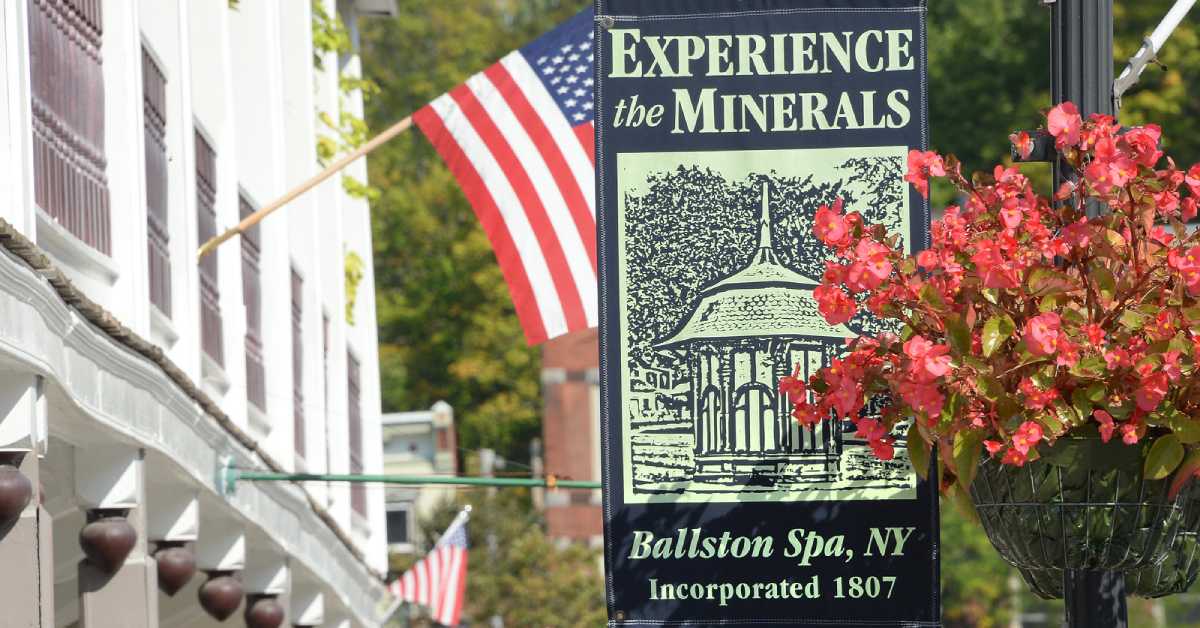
[[1081, 61], [1081, 48]]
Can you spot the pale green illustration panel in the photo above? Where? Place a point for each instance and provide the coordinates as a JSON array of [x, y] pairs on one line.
[[717, 266]]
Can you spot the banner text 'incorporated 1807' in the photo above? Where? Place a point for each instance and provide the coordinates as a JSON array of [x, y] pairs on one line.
[[722, 126]]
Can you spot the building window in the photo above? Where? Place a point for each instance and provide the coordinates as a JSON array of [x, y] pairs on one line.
[[358, 492], [206, 221], [256, 378], [154, 106], [397, 526], [298, 433], [67, 99]]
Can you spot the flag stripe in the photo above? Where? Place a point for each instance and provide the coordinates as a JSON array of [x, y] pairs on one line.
[[587, 138], [579, 162], [422, 582], [520, 284], [573, 195], [512, 215], [435, 578], [530, 160], [518, 180], [451, 601], [410, 585]]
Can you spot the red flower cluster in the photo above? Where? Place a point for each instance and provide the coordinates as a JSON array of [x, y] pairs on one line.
[[1026, 318]]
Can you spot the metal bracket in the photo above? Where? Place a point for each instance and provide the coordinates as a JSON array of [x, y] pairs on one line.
[[226, 477]]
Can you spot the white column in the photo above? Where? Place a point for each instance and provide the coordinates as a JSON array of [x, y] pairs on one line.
[[109, 482], [26, 550]]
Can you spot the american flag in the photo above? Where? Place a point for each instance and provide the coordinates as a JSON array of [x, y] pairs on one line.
[[518, 137], [439, 580]]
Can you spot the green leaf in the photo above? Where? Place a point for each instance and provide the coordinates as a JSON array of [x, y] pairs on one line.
[[996, 331], [1081, 402], [1105, 283], [918, 451], [1090, 366], [990, 387], [967, 445], [1187, 470], [1044, 281], [1132, 320], [930, 296], [992, 295], [1165, 455], [958, 334], [1185, 428]]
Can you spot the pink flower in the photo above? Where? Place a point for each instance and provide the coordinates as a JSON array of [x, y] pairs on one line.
[[830, 226], [929, 361], [871, 266], [1027, 435], [793, 386], [883, 448], [923, 398], [1151, 391], [1095, 333], [1171, 365], [1022, 142], [834, 304], [927, 259], [1011, 215], [921, 166], [807, 415], [1063, 122], [1036, 398], [1130, 433], [1014, 457], [1188, 208], [870, 429], [997, 272], [1192, 179], [1042, 334], [1143, 143], [993, 447], [1106, 424]]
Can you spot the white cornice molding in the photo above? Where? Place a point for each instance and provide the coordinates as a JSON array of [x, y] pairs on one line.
[[49, 337]]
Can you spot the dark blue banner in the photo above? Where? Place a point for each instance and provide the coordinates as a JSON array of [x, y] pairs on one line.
[[721, 127]]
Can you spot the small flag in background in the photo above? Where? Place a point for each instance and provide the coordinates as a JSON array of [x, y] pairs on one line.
[[518, 137], [439, 580]]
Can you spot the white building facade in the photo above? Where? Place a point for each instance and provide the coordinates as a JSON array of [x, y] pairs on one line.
[[130, 373]]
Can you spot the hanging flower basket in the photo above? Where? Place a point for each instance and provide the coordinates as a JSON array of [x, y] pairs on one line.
[[1174, 574], [1059, 343], [1084, 504]]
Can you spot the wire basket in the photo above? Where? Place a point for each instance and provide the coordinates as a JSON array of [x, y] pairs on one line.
[[1175, 574], [1084, 504]]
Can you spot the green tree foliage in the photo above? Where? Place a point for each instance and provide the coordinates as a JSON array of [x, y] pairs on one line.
[[516, 571], [1166, 94], [974, 577], [446, 324]]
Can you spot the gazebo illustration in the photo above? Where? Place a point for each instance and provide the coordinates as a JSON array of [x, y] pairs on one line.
[[745, 332]]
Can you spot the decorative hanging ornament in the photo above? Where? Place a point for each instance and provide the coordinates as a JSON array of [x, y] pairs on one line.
[[264, 611], [15, 493], [107, 540], [221, 595], [176, 566]]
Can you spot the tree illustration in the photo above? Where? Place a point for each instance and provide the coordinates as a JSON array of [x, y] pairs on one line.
[[690, 227]]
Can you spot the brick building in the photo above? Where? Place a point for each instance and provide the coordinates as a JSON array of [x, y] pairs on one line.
[[571, 433]]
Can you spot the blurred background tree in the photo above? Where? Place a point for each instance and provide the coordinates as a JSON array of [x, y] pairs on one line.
[[446, 324], [515, 572], [447, 329]]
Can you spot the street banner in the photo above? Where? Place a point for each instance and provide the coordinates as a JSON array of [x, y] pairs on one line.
[[721, 127]]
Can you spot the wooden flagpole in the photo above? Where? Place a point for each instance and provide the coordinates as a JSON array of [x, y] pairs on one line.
[[256, 217]]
